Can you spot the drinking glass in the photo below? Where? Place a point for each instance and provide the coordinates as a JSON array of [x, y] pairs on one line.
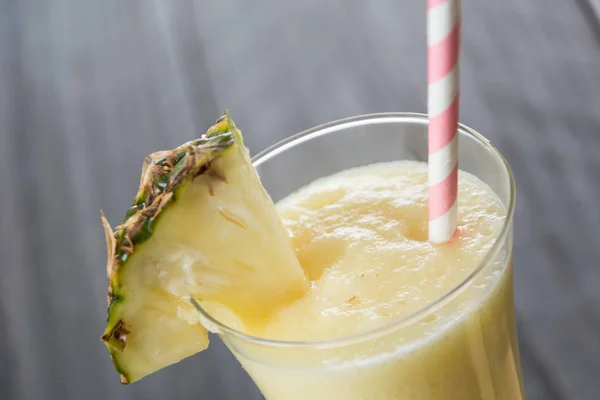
[[474, 357]]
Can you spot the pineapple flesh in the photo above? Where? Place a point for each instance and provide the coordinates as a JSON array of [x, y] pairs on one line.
[[203, 226]]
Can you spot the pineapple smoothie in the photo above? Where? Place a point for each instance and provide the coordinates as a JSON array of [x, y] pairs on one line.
[[333, 293], [360, 235]]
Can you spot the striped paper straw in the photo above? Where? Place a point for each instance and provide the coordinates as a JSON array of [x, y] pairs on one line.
[[443, 44]]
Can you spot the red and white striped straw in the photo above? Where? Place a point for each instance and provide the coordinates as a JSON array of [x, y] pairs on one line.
[[443, 47]]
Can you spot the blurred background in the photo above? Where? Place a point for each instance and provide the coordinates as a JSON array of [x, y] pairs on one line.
[[88, 88]]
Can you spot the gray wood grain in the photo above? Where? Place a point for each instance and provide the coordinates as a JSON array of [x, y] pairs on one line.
[[88, 88]]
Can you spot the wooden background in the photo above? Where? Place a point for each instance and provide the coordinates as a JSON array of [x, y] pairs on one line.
[[88, 88]]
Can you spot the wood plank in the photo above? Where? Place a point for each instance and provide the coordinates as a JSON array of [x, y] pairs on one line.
[[540, 384], [592, 7], [20, 349]]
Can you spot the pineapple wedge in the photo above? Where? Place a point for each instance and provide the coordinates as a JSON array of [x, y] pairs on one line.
[[201, 225]]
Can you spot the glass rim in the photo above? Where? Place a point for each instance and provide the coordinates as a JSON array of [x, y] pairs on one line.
[[351, 122]]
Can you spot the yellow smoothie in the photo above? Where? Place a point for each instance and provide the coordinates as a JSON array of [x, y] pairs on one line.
[[361, 237]]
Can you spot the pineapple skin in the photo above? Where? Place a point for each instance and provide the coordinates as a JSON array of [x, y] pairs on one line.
[[164, 174]]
